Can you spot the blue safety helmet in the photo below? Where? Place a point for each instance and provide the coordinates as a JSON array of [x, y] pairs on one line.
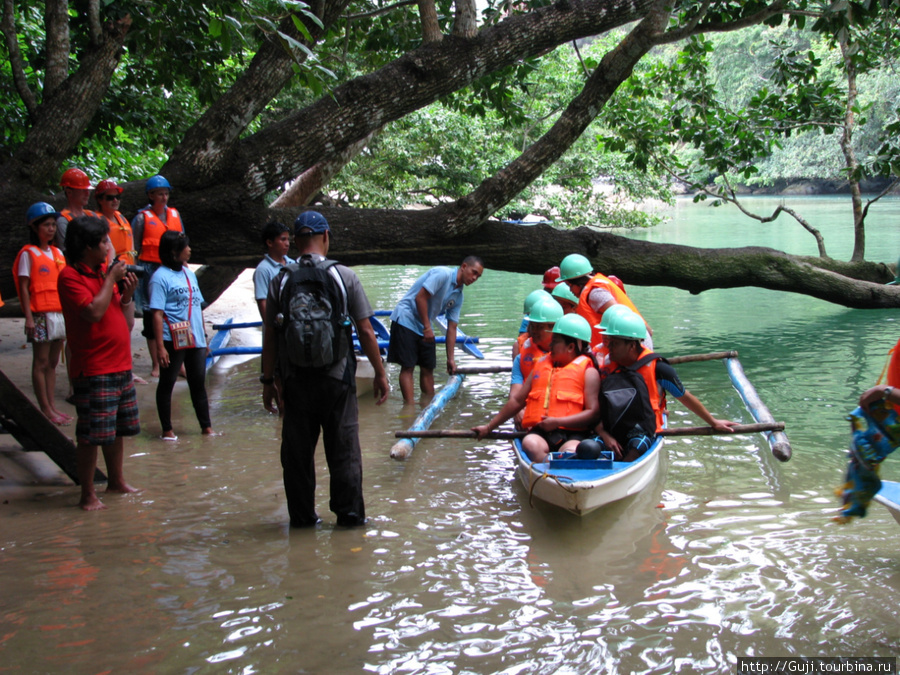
[[39, 210], [155, 183]]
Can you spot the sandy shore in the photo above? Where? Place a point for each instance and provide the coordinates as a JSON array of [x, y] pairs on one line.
[[18, 468]]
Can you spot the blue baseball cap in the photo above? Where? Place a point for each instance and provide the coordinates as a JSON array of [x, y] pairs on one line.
[[311, 220]]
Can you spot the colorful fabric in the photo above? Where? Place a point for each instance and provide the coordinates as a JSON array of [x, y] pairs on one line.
[[874, 434], [106, 407]]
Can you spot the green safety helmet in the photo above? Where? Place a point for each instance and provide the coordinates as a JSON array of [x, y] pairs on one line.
[[545, 311], [622, 321], [562, 292], [573, 325], [573, 266], [532, 299]]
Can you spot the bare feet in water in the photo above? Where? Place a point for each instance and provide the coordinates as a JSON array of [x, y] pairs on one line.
[[91, 503], [121, 488]]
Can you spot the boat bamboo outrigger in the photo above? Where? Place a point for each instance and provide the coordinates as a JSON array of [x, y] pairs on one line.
[[582, 486]]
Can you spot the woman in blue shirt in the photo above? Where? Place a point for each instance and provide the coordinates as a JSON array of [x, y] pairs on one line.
[[176, 303]]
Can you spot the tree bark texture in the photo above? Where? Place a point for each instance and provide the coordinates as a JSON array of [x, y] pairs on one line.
[[208, 145], [64, 115]]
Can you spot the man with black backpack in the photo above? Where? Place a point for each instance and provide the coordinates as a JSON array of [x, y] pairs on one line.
[[309, 371], [633, 395]]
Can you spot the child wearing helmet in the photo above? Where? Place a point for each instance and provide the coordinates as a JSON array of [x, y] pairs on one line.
[[540, 321], [561, 398], [628, 421], [36, 271]]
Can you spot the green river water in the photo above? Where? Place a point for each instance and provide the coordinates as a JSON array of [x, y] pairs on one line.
[[728, 553]]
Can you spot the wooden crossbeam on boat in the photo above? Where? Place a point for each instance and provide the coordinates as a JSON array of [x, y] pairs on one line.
[[35, 433]]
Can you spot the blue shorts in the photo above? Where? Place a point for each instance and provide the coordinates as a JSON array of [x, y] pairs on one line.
[[106, 407], [409, 349]]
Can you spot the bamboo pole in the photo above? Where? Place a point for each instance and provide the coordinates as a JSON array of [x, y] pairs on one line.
[[674, 431], [778, 441]]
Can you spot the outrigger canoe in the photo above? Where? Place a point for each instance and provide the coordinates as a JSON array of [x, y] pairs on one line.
[[889, 495], [581, 486]]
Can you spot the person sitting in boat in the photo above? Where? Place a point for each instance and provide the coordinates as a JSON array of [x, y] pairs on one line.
[[633, 409], [277, 239], [541, 319], [561, 398], [530, 301], [566, 298], [596, 293]]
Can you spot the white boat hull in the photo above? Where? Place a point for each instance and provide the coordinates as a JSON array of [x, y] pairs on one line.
[[889, 495], [581, 491]]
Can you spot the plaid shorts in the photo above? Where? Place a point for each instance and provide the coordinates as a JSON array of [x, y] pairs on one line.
[[106, 407]]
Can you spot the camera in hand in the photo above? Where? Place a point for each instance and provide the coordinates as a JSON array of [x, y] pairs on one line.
[[133, 269]]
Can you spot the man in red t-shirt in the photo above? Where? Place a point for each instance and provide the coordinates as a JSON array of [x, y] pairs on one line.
[[99, 312]]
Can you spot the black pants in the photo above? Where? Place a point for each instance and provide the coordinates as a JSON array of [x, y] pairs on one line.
[[194, 361], [311, 403]]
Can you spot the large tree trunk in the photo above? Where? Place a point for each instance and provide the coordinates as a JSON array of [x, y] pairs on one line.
[[220, 184]]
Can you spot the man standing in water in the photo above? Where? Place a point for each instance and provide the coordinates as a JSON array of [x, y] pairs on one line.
[[321, 396], [99, 318], [438, 291]]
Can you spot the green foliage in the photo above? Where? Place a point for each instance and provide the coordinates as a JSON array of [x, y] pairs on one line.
[[443, 152]]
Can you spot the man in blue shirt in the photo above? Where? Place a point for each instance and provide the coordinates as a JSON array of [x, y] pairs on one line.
[[438, 291], [277, 239]]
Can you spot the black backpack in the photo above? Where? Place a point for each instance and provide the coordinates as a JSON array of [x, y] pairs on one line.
[[316, 325], [625, 402]]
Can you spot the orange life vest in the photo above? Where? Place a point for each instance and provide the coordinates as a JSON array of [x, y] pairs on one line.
[[556, 392], [529, 354], [44, 275], [593, 318], [67, 214], [154, 228], [657, 395], [122, 238]]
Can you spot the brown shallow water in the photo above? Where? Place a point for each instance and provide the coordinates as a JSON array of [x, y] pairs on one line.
[[728, 553]]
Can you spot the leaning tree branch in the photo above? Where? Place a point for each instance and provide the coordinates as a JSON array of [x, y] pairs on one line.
[[379, 11], [695, 28], [465, 24], [63, 117], [893, 184], [95, 27], [282, 150], [311, 181], [206, 147], [56, 45], [466, 214], [16, 62]]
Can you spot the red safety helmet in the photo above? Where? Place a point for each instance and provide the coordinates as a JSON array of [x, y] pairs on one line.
[[550, 276], [108, 185], [617, 281], [75, 179]]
